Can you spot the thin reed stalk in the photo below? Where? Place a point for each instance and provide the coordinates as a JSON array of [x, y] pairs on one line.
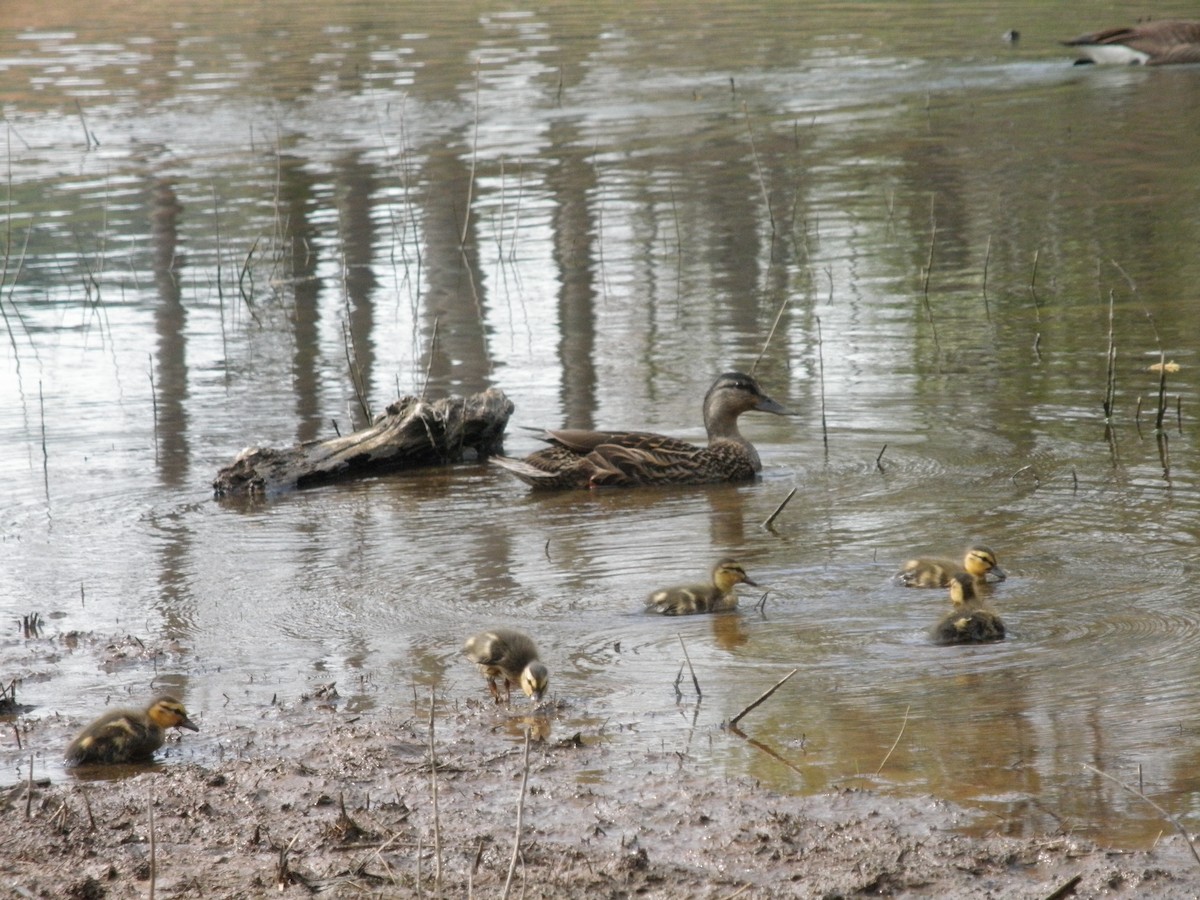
[[512, 862], [762, 698]]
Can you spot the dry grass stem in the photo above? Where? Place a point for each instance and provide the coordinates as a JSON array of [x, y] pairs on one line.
[[762, 699], [762, 181], [896, 741], [512, 863], [821, 374], [770, 334], [437, 821], [153, 846]]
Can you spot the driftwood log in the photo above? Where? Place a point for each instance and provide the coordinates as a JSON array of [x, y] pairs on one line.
[[409, 434]]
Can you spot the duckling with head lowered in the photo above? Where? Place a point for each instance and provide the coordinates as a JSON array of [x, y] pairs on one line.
[[511, 655], [688, 599], [584, 459], [979, 562], [128, 735], [1154, 43], [969, 622]]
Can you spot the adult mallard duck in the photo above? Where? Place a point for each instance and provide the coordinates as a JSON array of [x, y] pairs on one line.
[[583, 459], [718, 596], [1152, 43], [511, 655], [979, 562], [969, 622], [128, 735]]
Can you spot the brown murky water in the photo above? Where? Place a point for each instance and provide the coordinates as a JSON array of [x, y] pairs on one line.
[[214, 214]]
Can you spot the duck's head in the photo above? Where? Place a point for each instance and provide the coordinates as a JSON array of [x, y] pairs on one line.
[[167, 712], [980, 561], [535, 678], [729, 572], [731, 395], [962, 589]]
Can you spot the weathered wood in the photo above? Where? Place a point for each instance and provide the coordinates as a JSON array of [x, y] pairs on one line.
[[409, 434]]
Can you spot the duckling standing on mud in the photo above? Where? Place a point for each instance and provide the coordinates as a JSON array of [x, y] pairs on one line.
[[979, 563], [128, 735], [512, 655], [586, 459], [970, 622], [688, 599]]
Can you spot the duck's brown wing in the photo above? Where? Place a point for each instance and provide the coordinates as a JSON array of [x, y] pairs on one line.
[[648, 459], [584, 441]]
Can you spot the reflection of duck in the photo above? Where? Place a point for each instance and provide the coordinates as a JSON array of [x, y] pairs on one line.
[[1147, 43], [512, 655], [969, 622], [979, 562], [581, 458], [718, 596], [128, 735]]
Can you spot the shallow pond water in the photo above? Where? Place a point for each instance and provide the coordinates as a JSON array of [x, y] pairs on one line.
[[224, 226]]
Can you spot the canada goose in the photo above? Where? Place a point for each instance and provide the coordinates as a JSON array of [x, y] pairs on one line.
[[1154, 43]]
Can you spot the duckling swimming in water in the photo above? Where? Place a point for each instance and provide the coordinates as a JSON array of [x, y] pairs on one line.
[[585, 459], [512, 655], [718, 596], [969, 622], [128, 735], [979, 563]]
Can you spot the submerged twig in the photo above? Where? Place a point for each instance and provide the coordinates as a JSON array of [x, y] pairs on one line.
[[695, 680], [762, 699], [1162, 812], [779, 508]]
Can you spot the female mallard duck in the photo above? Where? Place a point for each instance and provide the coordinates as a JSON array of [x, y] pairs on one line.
[[512, 655], [718, 596], [582, 459], [1147, 43], [979, 563], [970, 622], [128, 735]]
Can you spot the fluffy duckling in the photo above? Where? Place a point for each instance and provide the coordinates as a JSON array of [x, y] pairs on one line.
[[969, 622], [128, 735], [979, 563], [718, 596], [512, 655], [581, 458]]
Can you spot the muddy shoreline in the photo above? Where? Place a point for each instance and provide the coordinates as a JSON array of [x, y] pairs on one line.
[[321, 800]]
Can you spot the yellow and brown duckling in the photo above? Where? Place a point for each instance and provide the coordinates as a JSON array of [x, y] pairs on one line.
[[128, 735], [510, 655], [980, 563], [585, 459], [1153, 43], [969, 622], [717, 596]]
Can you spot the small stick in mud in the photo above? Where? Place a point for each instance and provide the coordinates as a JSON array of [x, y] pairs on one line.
[[879, 458], [762, 699], [771, 518], [512, 863], [437, 821], [903, 725], [1066, 889], [153, 845], [1162, 812], [695, 680]]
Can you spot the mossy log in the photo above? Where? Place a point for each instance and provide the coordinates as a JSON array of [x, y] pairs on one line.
[[411, 433]]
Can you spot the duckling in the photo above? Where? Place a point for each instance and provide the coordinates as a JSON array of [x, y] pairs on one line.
[[586, 459], [979, 562], [1156, 43], [718, 596], [512, 655], [969, 622], [128, 735]]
